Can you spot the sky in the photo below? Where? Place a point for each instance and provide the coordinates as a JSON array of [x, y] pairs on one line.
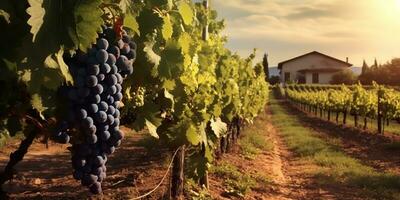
[[358, 29]]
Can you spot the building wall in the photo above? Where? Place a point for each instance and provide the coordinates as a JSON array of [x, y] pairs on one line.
[[312, 61], [324, 78]]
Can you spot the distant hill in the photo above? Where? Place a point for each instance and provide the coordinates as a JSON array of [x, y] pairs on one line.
[[274, 71]]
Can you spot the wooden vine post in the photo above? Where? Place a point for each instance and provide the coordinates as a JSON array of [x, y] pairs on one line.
[[178, 176]]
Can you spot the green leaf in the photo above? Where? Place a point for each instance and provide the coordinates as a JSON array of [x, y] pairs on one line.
[[186, 12], [219, 127], [192, 136], [5, 16], [64, 67], [167, 29], [88, 21], [131, 22], [152, 129], [37, 12], [37, 103], [150, 54]]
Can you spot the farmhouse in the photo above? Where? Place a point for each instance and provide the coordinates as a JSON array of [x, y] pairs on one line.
[[311, 68]]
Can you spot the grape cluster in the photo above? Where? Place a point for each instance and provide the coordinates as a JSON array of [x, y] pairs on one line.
[[94, 105], [138, 97]]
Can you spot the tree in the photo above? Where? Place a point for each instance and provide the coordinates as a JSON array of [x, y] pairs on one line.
[[266, 67], [375, 66], [364, 68], [344, 77]]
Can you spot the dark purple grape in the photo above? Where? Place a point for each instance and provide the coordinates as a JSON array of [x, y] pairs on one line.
[[114, 69], [131, 55], [103, 127], [98, 161], [91, 81], [98, 89], [133, 45], [91, 130], [111, 79], [102, 44], [101, 77], [103, 106], [110, 119], [117, 114], [126, 39], [119, 78], [101, 117], [112, 90], [111, 59], [91, 139], [93, 108], [105, 68], [93, 69], [104, 135], [118, 96], [81, 113], [111, 110], [110, 100], [115, 51], [95, 99], [102, 56], [87, 122]]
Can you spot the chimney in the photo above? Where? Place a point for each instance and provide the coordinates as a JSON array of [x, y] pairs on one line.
[[347, 59]]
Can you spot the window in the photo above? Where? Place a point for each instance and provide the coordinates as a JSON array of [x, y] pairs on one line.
[[315, 78], [287, 76]]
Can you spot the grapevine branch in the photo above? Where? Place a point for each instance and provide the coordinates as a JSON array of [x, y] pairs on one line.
[[19, 154]]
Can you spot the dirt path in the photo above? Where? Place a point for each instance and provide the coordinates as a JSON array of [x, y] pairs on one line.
[[297, 182], [292, 178], [372, 149]]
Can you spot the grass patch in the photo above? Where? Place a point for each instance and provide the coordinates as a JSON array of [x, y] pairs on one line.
[[254, 141], [335, 166], [237, 183]]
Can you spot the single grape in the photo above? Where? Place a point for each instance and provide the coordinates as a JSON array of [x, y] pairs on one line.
[[102, 56], [91, 81], [102, 44]]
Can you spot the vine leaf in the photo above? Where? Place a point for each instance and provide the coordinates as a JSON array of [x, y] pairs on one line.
[[37, 12], [88, 21], [186, 12], [219, 127], [130, 22], [167, 29], [5, 16], [37, 103], [152, 129], [150, 54], [192, 136]]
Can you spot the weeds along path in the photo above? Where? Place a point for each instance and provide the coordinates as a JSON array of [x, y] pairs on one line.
[[377, 151], [319, 164]]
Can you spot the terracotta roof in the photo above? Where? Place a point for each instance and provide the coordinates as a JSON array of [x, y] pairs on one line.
[[320, 70], [313, 52]]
